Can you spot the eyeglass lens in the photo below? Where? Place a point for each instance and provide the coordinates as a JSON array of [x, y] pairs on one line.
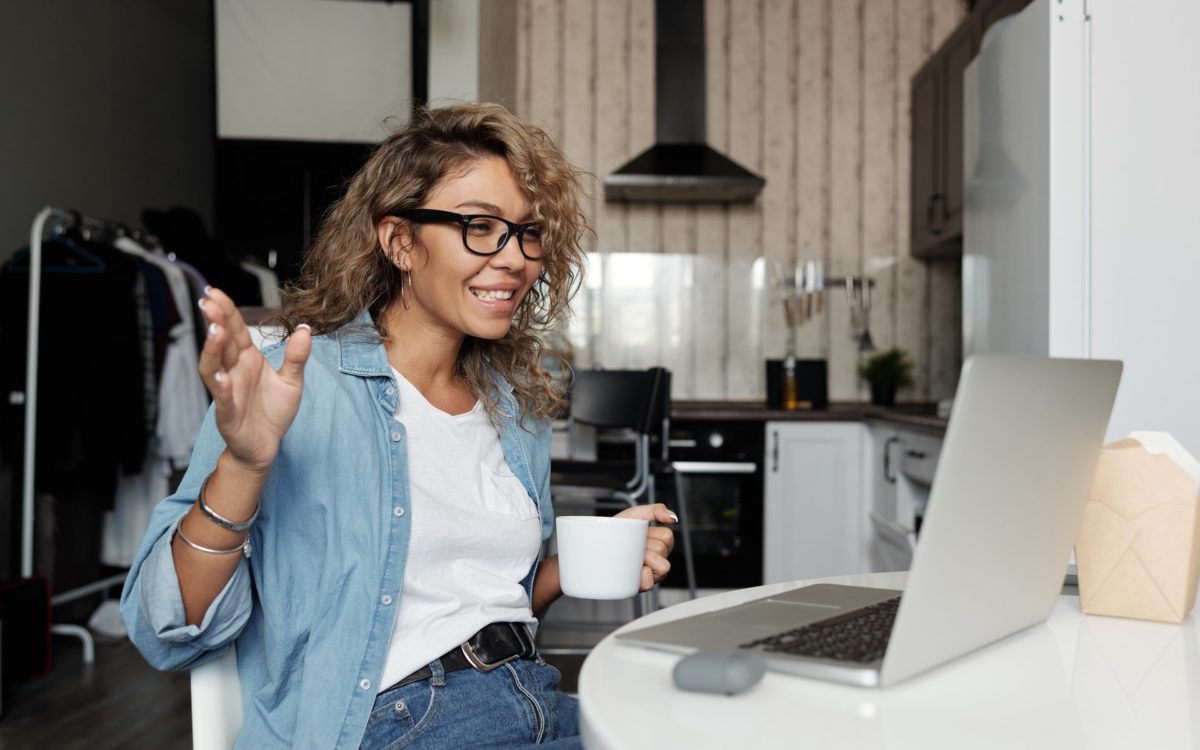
[[487, 235]]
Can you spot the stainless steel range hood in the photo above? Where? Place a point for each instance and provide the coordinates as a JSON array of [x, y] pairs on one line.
[[680, 166]]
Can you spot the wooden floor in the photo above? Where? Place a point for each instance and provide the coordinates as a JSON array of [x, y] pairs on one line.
[[119, 702]]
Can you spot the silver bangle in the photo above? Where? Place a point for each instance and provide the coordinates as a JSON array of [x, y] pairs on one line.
[[244, 547], [219, 519]]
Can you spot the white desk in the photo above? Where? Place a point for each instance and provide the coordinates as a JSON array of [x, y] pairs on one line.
[[1075, 682]]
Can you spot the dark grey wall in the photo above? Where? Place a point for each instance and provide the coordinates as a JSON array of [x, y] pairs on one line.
[[106, 108]]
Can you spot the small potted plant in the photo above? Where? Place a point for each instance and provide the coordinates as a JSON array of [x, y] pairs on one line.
[[885, 372]]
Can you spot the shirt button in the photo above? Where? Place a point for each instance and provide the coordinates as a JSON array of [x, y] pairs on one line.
[[391, 390], [365, 684], [386, 599], [398, 512], [395, 437]]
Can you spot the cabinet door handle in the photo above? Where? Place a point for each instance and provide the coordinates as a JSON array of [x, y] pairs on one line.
[[774, 451], [915, 455], [887, 459], [933, 217]]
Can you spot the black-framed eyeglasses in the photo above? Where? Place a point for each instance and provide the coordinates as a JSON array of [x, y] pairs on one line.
[[483, 234]]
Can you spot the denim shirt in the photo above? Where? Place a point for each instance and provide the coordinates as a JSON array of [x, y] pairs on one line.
[[312, 609]]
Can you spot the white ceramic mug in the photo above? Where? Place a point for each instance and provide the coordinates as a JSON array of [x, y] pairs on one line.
[[600, 558]]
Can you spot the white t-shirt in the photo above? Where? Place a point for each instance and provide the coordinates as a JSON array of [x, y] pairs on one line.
[[475, 534]]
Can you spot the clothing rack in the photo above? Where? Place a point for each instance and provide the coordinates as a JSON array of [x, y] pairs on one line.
[[64, 219]]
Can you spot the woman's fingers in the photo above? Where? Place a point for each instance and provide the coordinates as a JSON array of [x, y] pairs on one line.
[[216, 378], [652, 512], [239, 332], [217, 334], [662, 536], [211, 354], [657, 565], [222, 352], [659, 543], [229, 319], [218, 308], [295, 355], [658, 547], [654, 570]]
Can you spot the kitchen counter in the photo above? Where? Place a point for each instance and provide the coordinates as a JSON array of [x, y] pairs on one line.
[[921, 416]]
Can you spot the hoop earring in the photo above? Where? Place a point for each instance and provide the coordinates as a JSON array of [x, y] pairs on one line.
[[406, 280]]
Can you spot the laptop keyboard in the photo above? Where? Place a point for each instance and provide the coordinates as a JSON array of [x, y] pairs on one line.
[[859, 636]]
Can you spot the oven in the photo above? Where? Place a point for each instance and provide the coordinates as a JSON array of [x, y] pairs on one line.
[[719, 464]]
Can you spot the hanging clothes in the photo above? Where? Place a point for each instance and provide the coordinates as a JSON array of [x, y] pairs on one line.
[[183, 399], [183, 233], [268, 283], [91, 422], [179, 411], [91, 367]]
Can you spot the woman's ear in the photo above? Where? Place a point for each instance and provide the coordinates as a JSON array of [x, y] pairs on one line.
[[395, 237]]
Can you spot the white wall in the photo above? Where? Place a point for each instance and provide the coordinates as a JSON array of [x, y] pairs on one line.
[[1100, 199], [1145, 217], [105, 112], [454, 50], [312, 70]]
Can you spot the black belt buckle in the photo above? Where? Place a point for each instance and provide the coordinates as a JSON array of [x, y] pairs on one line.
[[469, 651]]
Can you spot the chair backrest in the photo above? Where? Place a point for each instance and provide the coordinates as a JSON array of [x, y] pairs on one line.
[[216, 703], [615, 399], [660, 414]]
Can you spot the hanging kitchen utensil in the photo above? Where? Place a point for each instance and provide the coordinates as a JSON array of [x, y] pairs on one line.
[[865, 344], [783, 283], [810, 288], [820, 286], [798, 290], [852, 306]]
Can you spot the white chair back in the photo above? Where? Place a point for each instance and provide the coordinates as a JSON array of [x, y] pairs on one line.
[[216, 703]]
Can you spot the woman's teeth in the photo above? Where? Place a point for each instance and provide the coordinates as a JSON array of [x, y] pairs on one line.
[[493, 293]]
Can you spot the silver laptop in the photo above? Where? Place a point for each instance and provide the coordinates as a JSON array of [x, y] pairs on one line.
[[1009, 492]]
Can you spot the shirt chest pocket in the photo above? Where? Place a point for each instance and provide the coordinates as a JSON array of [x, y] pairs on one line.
[[504, 494]]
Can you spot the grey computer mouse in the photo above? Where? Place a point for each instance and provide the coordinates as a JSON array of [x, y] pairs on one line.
[[724, 672]]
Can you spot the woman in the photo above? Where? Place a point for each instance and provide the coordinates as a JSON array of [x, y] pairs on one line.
[[365, 505]]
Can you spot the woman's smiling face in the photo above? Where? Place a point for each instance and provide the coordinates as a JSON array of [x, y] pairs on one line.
[[452, 290]]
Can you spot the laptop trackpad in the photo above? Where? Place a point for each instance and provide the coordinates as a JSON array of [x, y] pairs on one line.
[[770, 617]]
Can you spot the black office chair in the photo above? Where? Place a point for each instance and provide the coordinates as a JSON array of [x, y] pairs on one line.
[[630, 407], [614, 407]]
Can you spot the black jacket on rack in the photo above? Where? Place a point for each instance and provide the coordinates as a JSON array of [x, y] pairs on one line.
[[90, 410], [182, 232]]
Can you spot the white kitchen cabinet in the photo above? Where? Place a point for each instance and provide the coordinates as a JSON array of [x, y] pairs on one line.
[[890, 545], [900, 473], [883, 438], [814, 501]]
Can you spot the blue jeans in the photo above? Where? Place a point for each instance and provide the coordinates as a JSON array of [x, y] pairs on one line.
[[515, 705]]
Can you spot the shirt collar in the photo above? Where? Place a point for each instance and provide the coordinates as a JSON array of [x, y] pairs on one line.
[[361, 353]]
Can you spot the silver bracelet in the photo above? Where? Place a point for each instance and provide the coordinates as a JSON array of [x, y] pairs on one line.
[[244, 547], [219, 519]]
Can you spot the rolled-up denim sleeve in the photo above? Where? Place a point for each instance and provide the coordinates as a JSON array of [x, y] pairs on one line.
[[151, 603], [162, 605]]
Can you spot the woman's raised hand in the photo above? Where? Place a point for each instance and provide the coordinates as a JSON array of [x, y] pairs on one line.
[[254, 404]]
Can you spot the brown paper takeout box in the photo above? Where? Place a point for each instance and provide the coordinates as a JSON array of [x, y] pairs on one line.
[[1138, 549]]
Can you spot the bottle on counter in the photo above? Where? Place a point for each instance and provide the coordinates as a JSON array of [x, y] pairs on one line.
[[789, 399]]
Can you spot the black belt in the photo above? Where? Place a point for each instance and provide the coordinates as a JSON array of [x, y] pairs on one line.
[[494, 645]]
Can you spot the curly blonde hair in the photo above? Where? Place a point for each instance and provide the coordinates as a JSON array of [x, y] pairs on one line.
[[347, 270]]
